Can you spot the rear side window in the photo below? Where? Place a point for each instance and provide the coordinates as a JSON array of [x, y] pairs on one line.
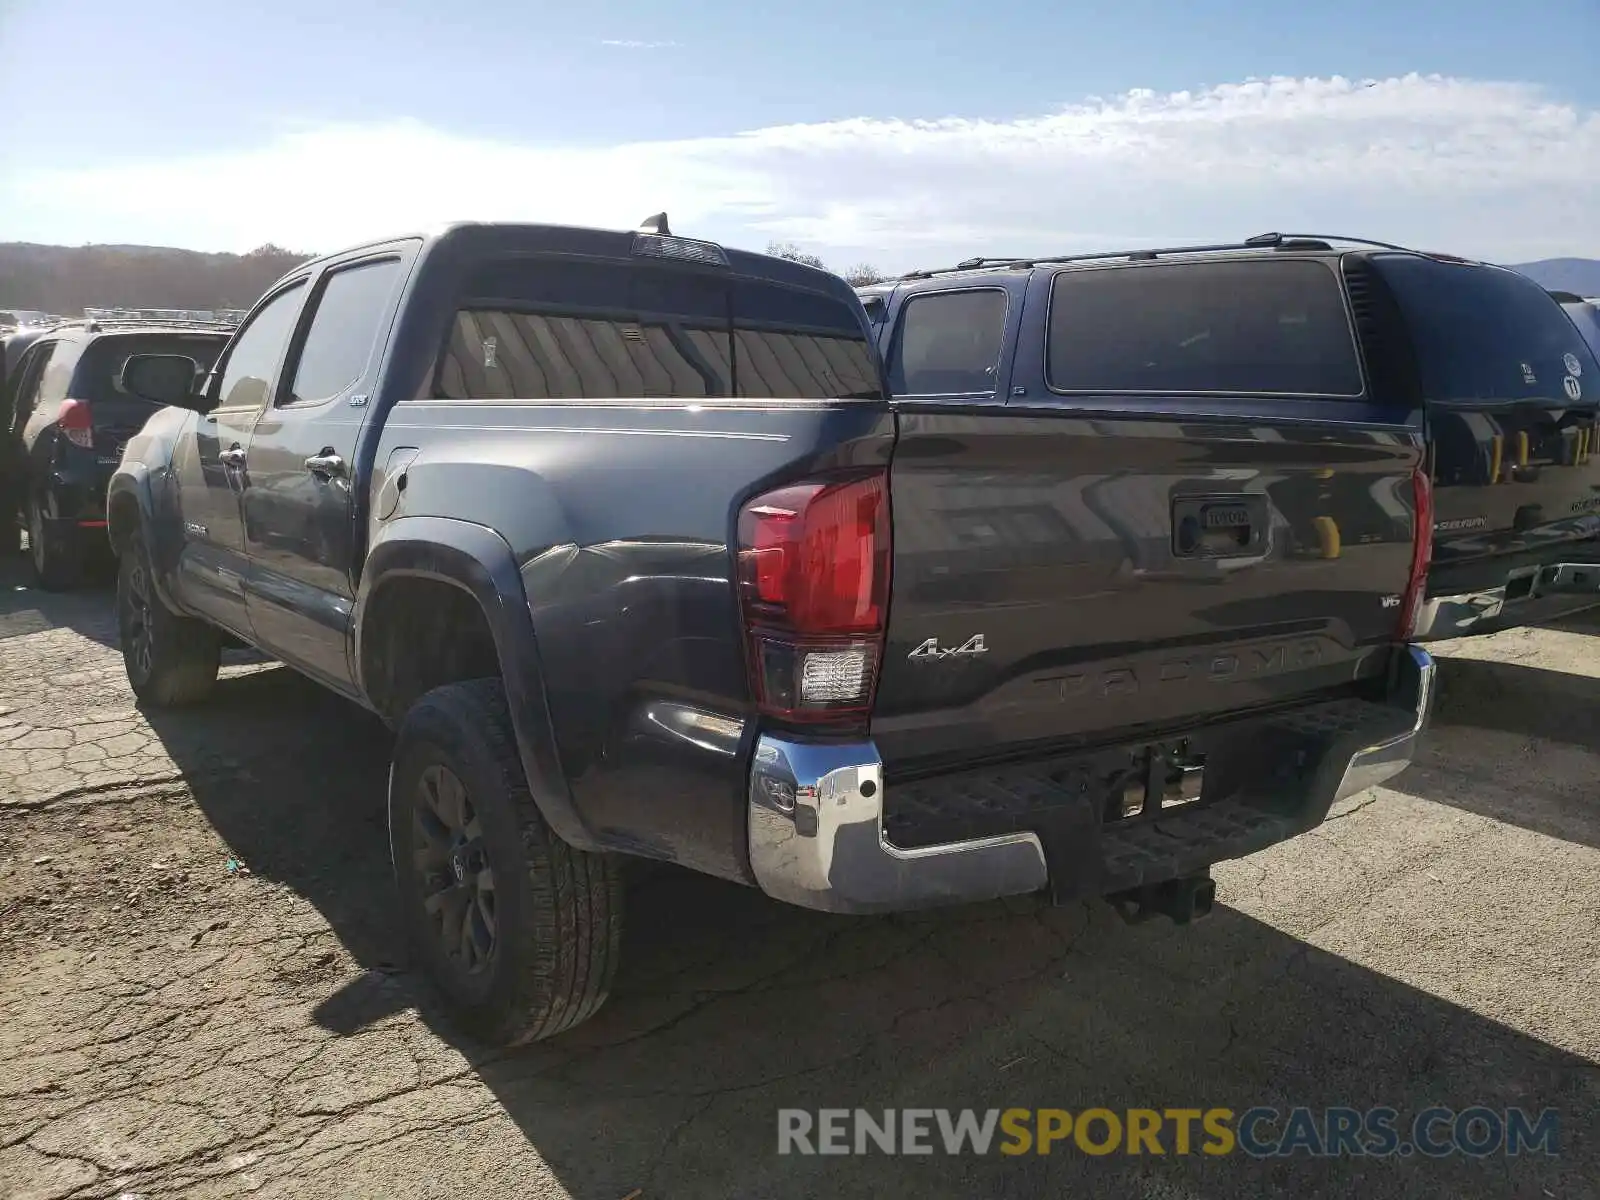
[[55, 381], [101, 365], [344, 329], [1275, 327], [1488, 334], [532, 329], [29, 374], [948, 344]]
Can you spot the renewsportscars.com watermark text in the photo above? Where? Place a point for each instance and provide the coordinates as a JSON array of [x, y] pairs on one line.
[[1258, 1132]]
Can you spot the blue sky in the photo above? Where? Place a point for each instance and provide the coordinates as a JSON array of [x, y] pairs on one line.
[[1052, 124]]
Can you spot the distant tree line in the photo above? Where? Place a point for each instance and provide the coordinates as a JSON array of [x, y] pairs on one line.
[[64, 279], [857, 276]]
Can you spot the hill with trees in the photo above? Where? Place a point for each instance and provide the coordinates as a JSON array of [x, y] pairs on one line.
[[65, 279]]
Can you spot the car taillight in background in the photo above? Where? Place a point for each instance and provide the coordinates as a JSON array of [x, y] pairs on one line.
[[814, 593], [74, 420], [1421, 550]]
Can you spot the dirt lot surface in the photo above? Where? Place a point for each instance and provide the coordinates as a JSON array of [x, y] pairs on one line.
[[203, 995]]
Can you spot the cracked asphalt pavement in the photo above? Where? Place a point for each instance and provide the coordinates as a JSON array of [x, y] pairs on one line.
[[204, 995]]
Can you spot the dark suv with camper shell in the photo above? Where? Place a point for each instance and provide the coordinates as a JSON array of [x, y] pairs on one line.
[[1478, 357], [69, 419]]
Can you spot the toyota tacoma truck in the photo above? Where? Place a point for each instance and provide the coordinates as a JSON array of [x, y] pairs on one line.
[[625, 536]]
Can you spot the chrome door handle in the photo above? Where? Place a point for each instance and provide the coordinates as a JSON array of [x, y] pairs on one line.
[[232, 458], [325, 466]]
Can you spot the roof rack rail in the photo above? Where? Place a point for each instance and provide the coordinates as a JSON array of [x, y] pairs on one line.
[[134, 323], [1261, 241]]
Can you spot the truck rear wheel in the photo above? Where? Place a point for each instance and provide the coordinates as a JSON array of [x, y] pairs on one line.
[[519, 931], [170, 660]]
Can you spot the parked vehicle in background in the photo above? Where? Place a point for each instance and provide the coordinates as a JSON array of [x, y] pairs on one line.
[[1512, 394], [12, 347], [623, 534], [70, 419], [1479, 355]]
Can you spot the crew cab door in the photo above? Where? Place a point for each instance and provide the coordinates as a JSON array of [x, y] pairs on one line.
[[211, 466], [299, 496]]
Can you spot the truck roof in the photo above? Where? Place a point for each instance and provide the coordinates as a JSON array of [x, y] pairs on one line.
[[518, 237]]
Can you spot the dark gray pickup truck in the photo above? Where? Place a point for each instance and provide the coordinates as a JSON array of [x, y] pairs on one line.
[[625, 536]]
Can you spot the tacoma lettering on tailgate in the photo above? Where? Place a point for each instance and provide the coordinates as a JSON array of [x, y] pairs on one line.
[[1218, 667]]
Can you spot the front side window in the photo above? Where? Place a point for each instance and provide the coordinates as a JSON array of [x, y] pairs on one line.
[[1251, 327], [948, 344], [258, 349], [344, 330], [545, 329]]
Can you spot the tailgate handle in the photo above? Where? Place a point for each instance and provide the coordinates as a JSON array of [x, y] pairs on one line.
[[1219, 526]]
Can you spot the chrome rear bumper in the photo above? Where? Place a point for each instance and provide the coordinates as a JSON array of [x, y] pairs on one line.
[[816, 839], [1387, 758], [816, 820], [1487, 609]]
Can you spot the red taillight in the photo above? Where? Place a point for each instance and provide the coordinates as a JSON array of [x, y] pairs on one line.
[[74, 419], [814, 592], [1421, 551]]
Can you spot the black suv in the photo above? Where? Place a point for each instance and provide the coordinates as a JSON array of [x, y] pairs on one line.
[[1478, 357], [69, 420]]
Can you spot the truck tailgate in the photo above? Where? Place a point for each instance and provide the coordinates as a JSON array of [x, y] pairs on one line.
[[1059, 579], [1510, 478]]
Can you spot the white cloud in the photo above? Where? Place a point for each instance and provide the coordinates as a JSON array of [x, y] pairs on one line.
[[632, 44], [1498, 170]]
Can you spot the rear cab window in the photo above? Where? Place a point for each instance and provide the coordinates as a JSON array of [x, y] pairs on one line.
[[1276, 327], [1486, 334], [545, 328]]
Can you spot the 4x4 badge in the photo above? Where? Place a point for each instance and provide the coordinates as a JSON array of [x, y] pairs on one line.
[[932, 649]]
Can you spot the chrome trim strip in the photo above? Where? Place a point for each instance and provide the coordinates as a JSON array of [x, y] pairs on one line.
[[817, 839], [1386, 759]]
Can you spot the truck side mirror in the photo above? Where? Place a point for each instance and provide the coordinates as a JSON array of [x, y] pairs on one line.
[[164, 379]]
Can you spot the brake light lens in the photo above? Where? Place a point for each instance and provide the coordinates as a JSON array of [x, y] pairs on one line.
[[1421, 551], [74, 420], [814, 594]]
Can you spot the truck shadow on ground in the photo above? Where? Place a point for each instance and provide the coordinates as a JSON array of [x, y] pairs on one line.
[[1516, 743], [729, 1007]]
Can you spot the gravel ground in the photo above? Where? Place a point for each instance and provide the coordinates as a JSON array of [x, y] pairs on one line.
[[203, 994]]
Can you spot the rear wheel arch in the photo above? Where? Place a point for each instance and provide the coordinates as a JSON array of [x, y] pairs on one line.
[[419, 632], [459, 585]]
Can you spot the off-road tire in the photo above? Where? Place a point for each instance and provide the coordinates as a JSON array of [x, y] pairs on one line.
[[557, 911], [178, 665], [57, 557]]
